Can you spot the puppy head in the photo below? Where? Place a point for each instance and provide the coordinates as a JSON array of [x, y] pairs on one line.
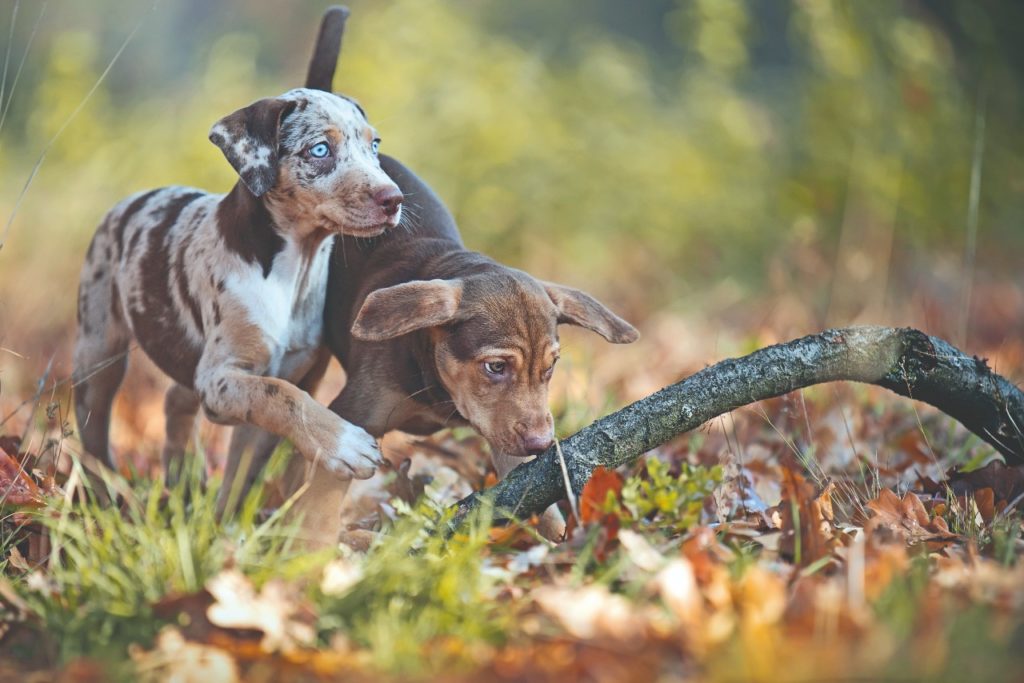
[[312, 157], [495, 339]]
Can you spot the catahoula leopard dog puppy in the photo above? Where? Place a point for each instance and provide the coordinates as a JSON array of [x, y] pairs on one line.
[[225, 293], [432, 335]]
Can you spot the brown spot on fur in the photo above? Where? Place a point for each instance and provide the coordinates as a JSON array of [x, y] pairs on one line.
[[82, 302], [255, 127], [137, 205], [247, 229], [154, 317], [115, 301], [133, 243], [249, 350], [181, 276]]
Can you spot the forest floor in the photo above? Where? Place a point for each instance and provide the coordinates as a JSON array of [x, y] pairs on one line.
[[837, 533]]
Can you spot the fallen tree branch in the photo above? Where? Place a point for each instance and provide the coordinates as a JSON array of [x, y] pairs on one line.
[[905, 361]]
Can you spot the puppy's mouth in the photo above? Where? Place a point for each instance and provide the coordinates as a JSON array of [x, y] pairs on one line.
[[506, 447], [369, 224]]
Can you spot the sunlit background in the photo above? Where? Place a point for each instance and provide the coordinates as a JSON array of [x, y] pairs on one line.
[[725, 173]]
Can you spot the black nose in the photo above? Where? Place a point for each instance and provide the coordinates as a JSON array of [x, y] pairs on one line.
[[389, 199], [535, 444]]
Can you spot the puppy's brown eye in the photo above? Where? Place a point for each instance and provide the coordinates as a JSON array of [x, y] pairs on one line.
[[551, 370], [495, 368]]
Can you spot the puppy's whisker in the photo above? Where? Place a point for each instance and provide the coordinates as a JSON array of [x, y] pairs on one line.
[[407, 398], [455, 411]]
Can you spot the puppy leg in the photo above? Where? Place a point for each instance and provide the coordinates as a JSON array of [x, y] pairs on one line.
[[317, 510], [251, 448], [180, 407], [101, 352], [552, 523], [231, 395], [250, 451]]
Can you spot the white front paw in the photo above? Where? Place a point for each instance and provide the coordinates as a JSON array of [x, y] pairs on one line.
[[356, 453]]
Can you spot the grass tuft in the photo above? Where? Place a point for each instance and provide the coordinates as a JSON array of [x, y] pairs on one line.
[[110, 564]]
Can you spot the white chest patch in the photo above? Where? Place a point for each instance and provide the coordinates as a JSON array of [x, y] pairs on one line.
[[288, 304]]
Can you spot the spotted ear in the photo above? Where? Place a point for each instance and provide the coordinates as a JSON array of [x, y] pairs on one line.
[[249, 140], [579, 308], [394, 311]]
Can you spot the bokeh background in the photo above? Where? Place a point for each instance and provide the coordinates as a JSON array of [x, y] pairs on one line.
[[726, 173]]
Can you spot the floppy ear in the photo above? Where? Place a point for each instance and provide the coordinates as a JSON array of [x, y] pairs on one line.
[[249, 139], [398, 310], [579, 308]]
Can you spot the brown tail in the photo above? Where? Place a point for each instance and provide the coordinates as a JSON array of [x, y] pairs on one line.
[[328, 46]]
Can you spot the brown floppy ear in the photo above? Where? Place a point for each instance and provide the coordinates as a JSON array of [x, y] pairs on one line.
[[249, 140], [398, 310], [579, 308]]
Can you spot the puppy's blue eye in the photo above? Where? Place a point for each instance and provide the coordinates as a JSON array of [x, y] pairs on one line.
[[319, 150], [376, 145]]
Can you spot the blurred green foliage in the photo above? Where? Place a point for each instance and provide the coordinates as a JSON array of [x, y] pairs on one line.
[[663, 501], [417, 588], [109, 565], [638, 150]]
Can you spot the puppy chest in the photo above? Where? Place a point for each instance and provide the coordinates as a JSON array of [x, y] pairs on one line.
[[287, 307]]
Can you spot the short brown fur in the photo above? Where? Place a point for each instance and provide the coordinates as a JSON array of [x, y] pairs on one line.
[[413, 318]]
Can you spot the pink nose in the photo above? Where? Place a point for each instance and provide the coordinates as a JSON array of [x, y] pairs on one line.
[[389, 199], [535, 444]]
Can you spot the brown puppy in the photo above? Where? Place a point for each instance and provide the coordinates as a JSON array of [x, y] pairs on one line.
[[433, 335]]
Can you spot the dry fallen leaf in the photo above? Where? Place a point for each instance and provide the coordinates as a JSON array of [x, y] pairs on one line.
[[339, 576], [272, 611], [1006, 482], [905, 520], [642, 554], [677, 586], [806, 519], [985, 499], [595, 493], [590, 612], [175, 659], [17, 488]]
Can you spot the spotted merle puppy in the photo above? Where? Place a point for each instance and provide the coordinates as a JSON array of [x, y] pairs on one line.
[[225, 293]]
